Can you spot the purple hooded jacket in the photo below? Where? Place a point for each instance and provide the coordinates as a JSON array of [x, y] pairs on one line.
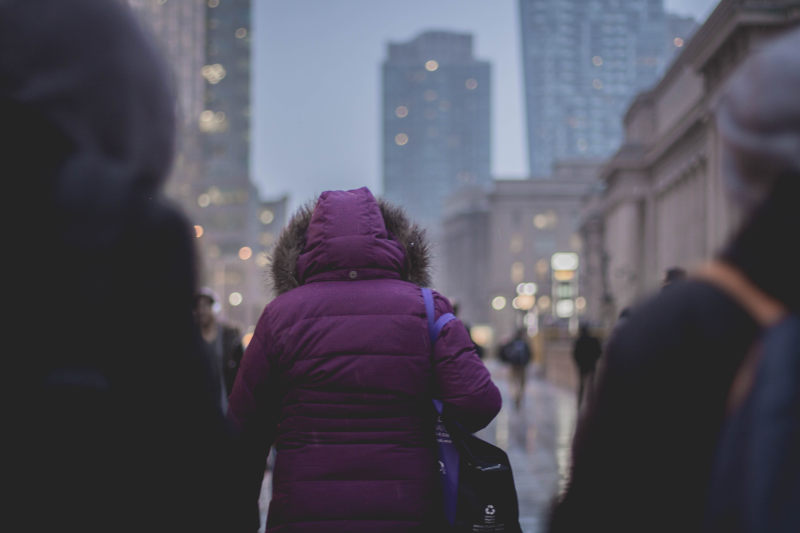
[[340, 374]]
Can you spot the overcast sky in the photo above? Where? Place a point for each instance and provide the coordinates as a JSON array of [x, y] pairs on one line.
[[317, 84]]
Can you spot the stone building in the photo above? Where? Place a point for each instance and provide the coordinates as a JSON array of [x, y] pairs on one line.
[[499, 245], [663, 202]]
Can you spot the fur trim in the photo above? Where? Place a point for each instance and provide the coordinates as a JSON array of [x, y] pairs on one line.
[[413, 239], [293, 238]]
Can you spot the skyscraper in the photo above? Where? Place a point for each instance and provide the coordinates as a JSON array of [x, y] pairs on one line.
[[584, 60], [180, 28], [207, 43], [435, 115], [226, 117]]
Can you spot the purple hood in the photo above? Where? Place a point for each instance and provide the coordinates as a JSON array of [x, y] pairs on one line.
[[347, 230]]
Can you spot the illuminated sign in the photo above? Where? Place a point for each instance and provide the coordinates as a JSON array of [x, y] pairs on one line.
[[564, 261], [565, 308]]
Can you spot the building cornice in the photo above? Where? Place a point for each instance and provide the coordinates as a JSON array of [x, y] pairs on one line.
[[629, 157], [716, 31], [695, 117], [732, 15], [525, 190]]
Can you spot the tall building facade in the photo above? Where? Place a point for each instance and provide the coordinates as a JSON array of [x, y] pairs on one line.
[[227, 200], [207, 44], [436, 131], [180, 29], [583, 62], [664, 202]]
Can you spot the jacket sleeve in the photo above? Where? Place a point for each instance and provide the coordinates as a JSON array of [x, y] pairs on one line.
[[252, 412], [461, 381]]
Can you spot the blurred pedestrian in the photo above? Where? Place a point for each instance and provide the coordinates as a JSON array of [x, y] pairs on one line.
[[113, 425], [673, 275], [223, 341], [642, 456], [586, 352], [342, 359], [517, 353]]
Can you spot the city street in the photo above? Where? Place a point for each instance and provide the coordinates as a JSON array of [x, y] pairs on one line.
[[537, 436]]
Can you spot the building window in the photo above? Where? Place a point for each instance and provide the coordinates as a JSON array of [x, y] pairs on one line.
[[267, 217], [213, 73], [545, 220]]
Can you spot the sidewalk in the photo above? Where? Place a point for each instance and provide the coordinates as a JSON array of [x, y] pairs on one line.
[[537, 438]]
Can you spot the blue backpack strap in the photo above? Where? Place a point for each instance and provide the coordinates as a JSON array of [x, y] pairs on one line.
[[448, 453], [434, 326]]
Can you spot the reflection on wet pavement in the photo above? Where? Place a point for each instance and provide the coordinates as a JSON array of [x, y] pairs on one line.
[[537, 438]]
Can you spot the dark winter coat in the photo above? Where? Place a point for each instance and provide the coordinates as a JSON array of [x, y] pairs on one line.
[[113, 425], [643, 451], [232, 352], [756, 481], [340, 374], [586, 352]]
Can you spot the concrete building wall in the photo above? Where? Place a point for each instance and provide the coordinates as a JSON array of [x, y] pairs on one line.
[[526, 222], [683, 90], [623, 239]]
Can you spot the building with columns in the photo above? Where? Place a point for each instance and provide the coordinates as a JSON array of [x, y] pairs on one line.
[[663, 202]]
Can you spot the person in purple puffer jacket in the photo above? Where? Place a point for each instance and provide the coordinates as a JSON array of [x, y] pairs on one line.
[[340, 374]]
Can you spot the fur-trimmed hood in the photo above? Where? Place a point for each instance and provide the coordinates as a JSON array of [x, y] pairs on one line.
[[349, 235]]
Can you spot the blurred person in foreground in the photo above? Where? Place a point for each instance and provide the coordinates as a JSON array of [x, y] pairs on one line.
[[643, 453], [340, 375], [114, 425], [223, 341]]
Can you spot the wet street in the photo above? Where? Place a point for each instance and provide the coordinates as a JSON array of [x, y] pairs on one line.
[[536, 436]]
